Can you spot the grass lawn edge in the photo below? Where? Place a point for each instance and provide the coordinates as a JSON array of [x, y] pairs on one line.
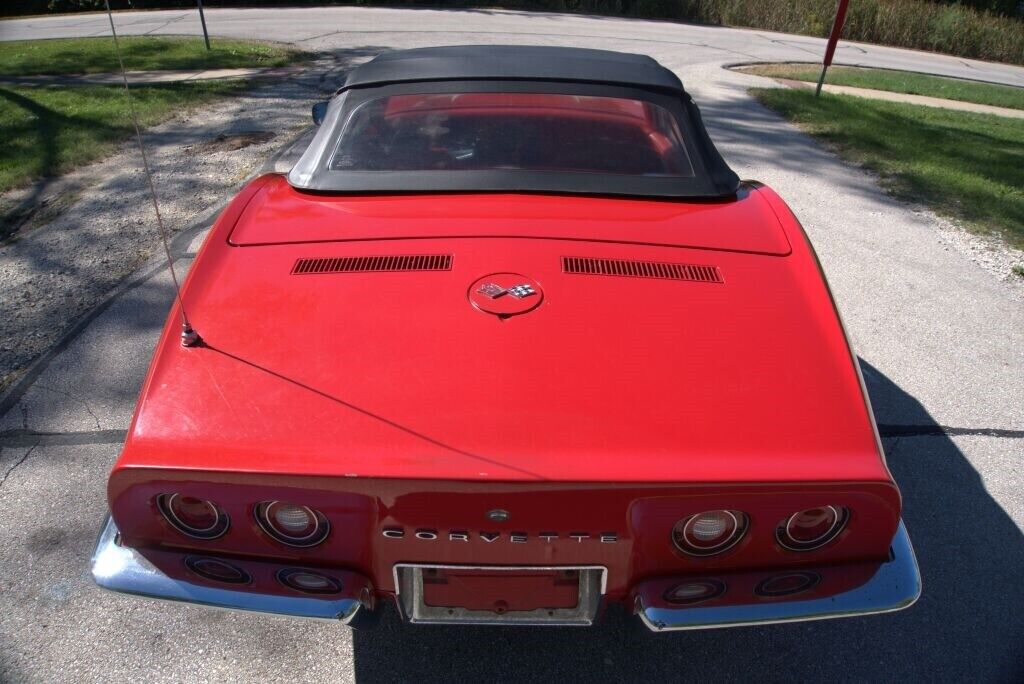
[[991, 207], [892, 80]]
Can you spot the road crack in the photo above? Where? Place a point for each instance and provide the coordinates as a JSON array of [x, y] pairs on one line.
[[17, 463], [85, 404]]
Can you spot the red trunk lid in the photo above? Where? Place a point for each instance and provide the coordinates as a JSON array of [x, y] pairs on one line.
[[282, 215], [610, 379]]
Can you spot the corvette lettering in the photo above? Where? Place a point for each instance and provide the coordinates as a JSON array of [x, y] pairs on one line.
[[496, 537]]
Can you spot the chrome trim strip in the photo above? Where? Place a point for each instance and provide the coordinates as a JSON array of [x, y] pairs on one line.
[[261, 512], [412, 607], [842, 516], [163, 504], [739, 532], [896, 585], [846, 336], [124, 570]]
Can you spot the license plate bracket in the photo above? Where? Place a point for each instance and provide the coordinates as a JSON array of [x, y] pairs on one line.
[[457, 594]]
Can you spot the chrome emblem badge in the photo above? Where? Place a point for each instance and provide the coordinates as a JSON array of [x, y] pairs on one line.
[[505, 294], [465, 535], [498, 515], [520, 291], [494, 290], [491, 290]]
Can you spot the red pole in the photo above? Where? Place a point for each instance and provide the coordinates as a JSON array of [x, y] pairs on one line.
[[833, 38]]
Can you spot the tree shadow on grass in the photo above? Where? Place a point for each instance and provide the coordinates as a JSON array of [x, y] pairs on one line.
[[44, 131], [50, 141], [966, 166]]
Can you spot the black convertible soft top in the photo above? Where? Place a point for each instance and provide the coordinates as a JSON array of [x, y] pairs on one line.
[[514, 62], [334, 166]]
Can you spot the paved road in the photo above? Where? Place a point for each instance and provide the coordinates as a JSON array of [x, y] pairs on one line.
[[333, 28], [941, 342]]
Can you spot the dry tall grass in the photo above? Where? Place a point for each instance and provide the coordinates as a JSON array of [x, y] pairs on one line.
[[954, 29]]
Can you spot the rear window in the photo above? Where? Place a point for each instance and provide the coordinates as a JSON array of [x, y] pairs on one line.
[[549, 132]]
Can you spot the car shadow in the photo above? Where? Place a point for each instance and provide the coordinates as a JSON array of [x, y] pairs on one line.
[[968, 624]]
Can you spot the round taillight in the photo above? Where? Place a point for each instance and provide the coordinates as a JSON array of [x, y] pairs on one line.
[[694, 592], [292, 524], [811, 528], [193, 517], [709, 533], [787, 584], [217, 570], [308, 582]]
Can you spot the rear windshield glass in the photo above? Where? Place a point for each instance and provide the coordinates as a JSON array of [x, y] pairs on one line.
[[446, 132]]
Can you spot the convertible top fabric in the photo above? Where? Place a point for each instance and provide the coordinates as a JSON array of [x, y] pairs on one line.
[[514, 62], [515, 69]]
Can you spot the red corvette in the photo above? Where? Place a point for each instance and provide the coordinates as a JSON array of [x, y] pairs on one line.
[[510, 344]]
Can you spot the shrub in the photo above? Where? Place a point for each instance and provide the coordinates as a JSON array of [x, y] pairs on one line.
[[951, 28]]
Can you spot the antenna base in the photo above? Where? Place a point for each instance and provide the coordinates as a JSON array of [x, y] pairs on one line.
[[189, 337]]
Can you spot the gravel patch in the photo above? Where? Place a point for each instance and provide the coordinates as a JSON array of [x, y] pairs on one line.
[[988, 252], [231, 142], [84, 232]]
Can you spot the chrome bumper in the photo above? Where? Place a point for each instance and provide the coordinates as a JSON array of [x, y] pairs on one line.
[[125, 570], [895, 586]]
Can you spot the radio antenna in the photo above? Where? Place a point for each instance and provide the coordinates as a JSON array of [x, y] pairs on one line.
[[189, 337]]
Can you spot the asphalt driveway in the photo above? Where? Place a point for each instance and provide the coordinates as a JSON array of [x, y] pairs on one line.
[[940, 338]]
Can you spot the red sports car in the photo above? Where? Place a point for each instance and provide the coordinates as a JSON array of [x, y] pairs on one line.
[[510, 344]]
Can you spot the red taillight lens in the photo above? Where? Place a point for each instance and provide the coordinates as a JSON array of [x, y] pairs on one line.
[[812, 528], [217, 570], [694, 592], [193, 517], [308, 581], [709, 533], [292, 524], [788, 584]]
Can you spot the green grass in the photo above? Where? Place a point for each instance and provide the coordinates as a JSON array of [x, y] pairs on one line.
[[899, 82], [963, 165], [145, 53], [45, 131]]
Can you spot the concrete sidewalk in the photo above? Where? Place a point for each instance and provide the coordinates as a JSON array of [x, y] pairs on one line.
[[151, 77], [922, 100]]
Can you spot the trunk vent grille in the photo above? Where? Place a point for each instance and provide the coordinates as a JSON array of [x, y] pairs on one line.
[[641, 269], [422, 262]]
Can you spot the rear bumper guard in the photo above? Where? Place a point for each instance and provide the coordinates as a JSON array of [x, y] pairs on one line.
[[124, 570], [896, 585]]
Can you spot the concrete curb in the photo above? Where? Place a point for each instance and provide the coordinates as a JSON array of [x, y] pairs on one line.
[[906, 98], [734, 66]]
